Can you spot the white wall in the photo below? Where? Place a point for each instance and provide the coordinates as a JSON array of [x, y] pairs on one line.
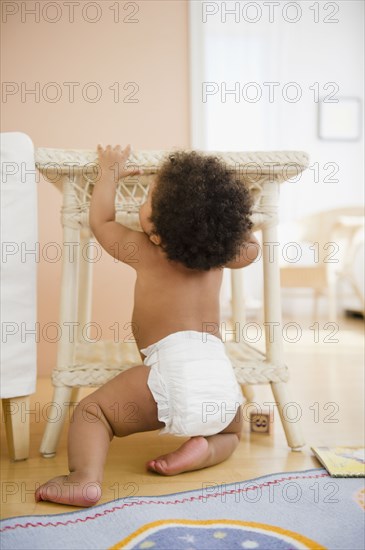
[[231, 50]]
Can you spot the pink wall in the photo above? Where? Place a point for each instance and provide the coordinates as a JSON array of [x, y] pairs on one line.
[[152, 53]]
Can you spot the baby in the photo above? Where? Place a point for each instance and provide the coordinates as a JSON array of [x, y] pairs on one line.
[[195, 222]]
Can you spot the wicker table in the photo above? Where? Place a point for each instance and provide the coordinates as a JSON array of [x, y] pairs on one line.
[[81, 363]]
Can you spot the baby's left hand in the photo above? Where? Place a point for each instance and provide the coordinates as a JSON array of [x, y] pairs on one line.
[[114, 160]]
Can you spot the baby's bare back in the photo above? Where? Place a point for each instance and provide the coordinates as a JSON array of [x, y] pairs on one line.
[[170, 297]]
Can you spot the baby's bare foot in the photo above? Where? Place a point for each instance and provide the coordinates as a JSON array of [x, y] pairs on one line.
[[194, 454], [74, 489]]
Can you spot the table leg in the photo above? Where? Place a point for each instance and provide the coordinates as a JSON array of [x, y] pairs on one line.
[[273, 332], [68, 320], [239, 318]]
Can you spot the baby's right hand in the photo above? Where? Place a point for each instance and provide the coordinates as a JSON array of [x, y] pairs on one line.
[[114, 160]]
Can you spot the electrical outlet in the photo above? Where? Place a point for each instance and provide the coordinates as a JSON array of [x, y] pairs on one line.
[[261, 423]]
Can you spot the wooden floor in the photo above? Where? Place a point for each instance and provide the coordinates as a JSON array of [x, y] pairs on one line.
[[327, 381]]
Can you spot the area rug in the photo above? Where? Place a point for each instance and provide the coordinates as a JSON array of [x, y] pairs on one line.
[[296, 510]]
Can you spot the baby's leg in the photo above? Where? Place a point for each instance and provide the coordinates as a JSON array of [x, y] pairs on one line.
[[124, 405], [200, 452]]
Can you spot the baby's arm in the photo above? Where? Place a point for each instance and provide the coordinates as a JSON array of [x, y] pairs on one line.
[[113, 237], [247, 253]]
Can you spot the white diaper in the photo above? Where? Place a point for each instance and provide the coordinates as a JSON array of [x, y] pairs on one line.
[[193, 383]]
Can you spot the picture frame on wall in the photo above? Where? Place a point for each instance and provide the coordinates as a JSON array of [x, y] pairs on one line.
[[340, 121]]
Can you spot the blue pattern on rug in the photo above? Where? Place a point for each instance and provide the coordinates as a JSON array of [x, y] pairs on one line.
[[286, 511]]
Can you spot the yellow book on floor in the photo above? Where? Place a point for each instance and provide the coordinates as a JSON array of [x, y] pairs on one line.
[[342, 461]]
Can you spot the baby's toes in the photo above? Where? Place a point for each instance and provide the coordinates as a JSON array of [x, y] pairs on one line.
[[50, 491], [159, 465], [70, 490]]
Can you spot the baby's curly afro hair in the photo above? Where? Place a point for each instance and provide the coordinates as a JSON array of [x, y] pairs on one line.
[[200, 210]]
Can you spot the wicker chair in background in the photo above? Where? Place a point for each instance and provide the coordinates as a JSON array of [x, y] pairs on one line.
[[335, 237]]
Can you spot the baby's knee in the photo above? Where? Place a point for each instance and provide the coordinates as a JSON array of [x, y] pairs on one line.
[[235, 427], [91, 410], [88, 406]]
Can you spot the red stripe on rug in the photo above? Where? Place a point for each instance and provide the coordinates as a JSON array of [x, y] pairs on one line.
[[170, 502]]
